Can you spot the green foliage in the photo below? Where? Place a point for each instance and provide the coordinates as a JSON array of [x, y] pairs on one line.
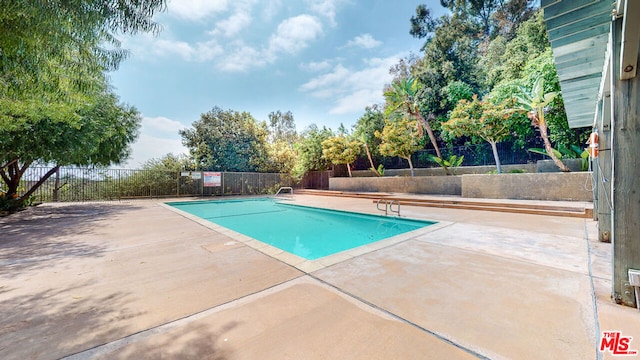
[[99, 134], [282, 128], [309, 149], [55, 102], [365, 129], [507, 60], [449, 164], [563, 152], [227, 141], [400, 138], [341, 150], [544, 152], [50, 45], [379, 170], [534, 101], [485, 119], [454, 92], [402, 102]]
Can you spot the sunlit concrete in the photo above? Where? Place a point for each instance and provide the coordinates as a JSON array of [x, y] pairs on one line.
[[134, 280]]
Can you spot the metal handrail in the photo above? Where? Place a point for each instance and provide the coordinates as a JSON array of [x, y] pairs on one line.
[[385, 205], [388, 206], [284, 188], [397, 202]]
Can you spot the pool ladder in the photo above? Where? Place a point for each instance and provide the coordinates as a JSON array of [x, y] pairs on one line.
[[284, 188], [388, 206]]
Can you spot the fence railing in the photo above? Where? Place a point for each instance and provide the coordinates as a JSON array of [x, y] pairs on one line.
[[95, 184]]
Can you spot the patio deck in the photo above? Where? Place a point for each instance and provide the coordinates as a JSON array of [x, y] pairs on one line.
[[134, 280]]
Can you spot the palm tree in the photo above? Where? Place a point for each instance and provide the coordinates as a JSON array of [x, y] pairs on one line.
[[534, 102], [402, 97]]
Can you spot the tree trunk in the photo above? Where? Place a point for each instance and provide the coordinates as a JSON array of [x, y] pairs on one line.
[[432, 137], [547, 145], [56, 186], [496, 156], [410, 165], [373, 168], [349, 169]]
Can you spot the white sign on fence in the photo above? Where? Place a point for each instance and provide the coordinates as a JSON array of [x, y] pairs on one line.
[[195, 175], [212, 179]]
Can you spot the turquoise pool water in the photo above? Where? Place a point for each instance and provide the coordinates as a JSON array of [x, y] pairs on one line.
[[308, 232]]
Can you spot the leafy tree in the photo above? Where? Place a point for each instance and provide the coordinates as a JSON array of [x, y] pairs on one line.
[[402, 100], [489, 121], [422, 23], [365, 129], [99, 134], [454, 92], [282, 140], [309, 148], [282, 156], [169, 162], [493, 16], [341, 149], [78, 36], [534, 101], [401, 138], [227, 141], [55, 105], [282, 127], [513, 13], [480, 10], [507, 60], [555, 117]]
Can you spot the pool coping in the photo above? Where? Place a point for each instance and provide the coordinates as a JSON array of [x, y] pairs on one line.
[[301, 263]]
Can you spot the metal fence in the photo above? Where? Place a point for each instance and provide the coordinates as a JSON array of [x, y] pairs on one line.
[[95, 184], [476, 154]]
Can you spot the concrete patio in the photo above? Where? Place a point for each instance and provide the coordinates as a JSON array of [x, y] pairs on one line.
[[132, 280]]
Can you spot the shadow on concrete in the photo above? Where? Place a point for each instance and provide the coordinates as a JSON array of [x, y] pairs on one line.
[[58, 322], [32, 238], [196, 342]]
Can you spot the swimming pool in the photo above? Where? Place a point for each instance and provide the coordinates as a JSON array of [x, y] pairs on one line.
[[308, 232]]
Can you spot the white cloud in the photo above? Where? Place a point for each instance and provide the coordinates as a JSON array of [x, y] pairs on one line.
[[364, 41], [294, 34], [158, 137], [148, 47], [161, 125], [271, 9], [316, 66], [196, 9], [291, 36], [327, 85], [151, 147], [353, 89], [233, 24], [243, 58], [325, 8]]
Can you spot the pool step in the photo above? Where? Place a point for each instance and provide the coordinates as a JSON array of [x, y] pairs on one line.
[[564, 209]]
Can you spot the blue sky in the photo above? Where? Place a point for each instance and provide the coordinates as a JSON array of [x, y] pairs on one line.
[[323, 60]]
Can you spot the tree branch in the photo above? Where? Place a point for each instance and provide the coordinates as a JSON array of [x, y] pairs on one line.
[[38, 184]]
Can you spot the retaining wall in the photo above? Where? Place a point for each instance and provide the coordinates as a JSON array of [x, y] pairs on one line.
[[575, 186], [436, 185]]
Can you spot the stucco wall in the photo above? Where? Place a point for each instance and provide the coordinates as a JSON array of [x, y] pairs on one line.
[[575, 186], [435, 185]]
